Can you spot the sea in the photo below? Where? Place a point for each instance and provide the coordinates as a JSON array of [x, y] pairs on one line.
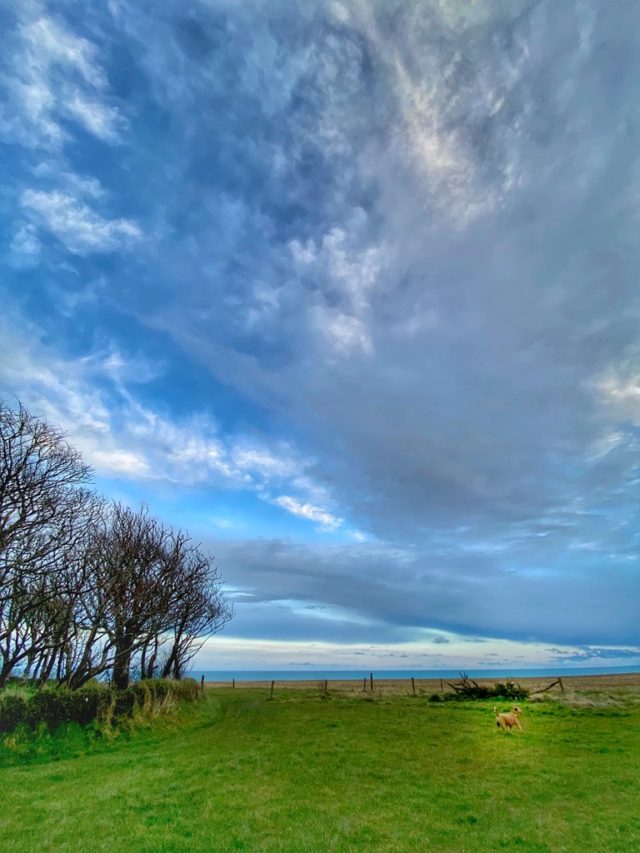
[[358, 674]]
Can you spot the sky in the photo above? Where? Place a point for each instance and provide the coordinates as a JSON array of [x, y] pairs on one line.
[[349, 290]]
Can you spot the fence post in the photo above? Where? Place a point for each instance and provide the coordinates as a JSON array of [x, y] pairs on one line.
[[326, 687], [561, 686], [272, 686], [371, 681], [202, 684], [441, 686], [233, 683], [413, 685], [364, 684]]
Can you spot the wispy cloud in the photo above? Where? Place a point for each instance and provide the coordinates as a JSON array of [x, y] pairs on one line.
[[92, 398], [75, 224], [308, 510], [55, 76]]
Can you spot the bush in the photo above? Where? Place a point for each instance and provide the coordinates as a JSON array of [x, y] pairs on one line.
[[188, 689], [13, 712], [467, 688], [52, 707], [142, 696], [125, 703], [57, 706], [161, 688], [510, 690], [48, 706]]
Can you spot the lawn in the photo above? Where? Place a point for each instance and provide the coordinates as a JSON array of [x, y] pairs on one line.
[[299, 773]]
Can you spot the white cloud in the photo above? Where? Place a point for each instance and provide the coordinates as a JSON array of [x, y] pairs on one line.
[[56, 171], [75, 224], [120, 462], [344, 333], [325, 519], [25, 245], [459, 653], [90, 398], [99, 119], [619, 392], [349, 267], [50, 42], [54, 75], [251, 457]]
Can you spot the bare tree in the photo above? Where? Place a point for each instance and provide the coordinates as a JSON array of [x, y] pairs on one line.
[[88, 588], [38, 473], [199, 611], [43, 509], [135, 584]]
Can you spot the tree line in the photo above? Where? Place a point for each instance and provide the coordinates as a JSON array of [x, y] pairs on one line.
[[91, 588]]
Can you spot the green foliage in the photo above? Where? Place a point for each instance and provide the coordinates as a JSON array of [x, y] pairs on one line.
[[57, 706], [510, 690], [187, 690], [467, 688], [53, 707], [13, 712], [125, 703]]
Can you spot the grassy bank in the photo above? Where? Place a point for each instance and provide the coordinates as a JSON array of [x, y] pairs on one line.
[[348, 773]]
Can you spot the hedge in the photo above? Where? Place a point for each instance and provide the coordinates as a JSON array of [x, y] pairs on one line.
[[57, 706]]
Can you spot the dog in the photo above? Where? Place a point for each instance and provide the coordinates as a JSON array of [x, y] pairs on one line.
[[508, 719]]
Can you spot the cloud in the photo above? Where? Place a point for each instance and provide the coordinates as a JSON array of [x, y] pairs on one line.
[[75, 224], [92, 397], [415, 594], [390, 253], [227, 652], [52, 75], [307, 510], [26, 246]]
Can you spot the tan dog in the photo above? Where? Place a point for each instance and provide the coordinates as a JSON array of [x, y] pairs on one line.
[[508, 719]]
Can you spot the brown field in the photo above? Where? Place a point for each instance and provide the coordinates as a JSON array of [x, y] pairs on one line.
[[575, 688]]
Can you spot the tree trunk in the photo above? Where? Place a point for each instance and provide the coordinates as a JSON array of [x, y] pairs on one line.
[[122, 663]]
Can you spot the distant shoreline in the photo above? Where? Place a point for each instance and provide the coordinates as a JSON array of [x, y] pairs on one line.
[[261, 675]]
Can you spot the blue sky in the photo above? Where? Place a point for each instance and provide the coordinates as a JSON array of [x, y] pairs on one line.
[[349, 291]]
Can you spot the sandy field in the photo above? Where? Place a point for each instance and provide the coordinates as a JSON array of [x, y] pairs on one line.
[[626, 683]]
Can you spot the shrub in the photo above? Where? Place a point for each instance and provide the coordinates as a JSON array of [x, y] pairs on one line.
[[161, 688], [89, 704], [187, 689], [467, 688], [48, 706], [55, 707], [141, 695], [510, 690], [125, 703], [13, 712], [52, 707]]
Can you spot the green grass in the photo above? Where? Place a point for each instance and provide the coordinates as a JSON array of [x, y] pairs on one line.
[[240, 772]]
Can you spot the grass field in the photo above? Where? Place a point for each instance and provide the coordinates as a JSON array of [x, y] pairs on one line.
[[299, 773]]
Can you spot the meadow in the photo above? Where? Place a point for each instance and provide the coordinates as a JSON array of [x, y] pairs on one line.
[[299, 772]]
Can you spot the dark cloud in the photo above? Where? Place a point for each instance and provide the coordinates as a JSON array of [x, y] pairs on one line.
[[391, 596]]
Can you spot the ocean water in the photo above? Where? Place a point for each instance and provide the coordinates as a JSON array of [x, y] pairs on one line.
[[359, 674]]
